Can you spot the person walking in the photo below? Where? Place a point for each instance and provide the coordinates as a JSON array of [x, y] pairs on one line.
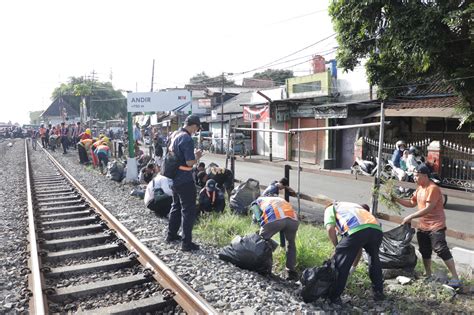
[[183, 209], [43, 132], [431, 234], [64, 137], [360, 229]]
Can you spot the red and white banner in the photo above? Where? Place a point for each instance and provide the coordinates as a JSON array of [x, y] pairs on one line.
[[253, 114]]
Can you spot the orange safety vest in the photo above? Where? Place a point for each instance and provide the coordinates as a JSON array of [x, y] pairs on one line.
[[275, 208], [42, 132]]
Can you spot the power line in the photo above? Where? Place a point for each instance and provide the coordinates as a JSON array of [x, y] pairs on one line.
[[289, 55], [298, 17]]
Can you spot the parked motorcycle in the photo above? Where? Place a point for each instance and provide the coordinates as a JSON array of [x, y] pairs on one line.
[[368, 168]]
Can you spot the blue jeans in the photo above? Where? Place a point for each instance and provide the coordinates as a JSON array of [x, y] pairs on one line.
[[183, 210]]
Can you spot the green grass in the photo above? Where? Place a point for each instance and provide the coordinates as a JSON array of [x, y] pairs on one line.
[[219, 229]]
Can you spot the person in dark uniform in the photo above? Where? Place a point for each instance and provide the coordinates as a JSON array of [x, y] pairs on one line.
[[183, 209], [211, 198], [223, 177], [273, 190]]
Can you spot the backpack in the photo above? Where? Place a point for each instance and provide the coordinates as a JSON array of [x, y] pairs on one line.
[[158, 193], [171, 163]]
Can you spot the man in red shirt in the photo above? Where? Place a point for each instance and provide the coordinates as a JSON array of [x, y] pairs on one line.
[[431, 232]]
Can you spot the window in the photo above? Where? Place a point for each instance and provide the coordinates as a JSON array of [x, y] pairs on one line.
[[307, 87]]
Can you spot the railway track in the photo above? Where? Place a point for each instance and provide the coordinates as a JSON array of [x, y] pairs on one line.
[[82, 259]]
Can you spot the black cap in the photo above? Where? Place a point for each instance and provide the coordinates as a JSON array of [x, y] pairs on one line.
[[193, 120], [423, 170], [284, 181], [211, 185]]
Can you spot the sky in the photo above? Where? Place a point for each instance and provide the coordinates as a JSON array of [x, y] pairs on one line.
[[43, 43]]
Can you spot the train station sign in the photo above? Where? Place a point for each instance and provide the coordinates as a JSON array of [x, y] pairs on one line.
[[162, 101]]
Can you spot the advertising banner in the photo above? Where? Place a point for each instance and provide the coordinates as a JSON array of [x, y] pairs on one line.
[[254, 114], [162, 101]]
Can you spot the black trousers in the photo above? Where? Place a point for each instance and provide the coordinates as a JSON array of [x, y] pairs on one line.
[[82, 154], [64, 142], [183, 210], [346, 252]]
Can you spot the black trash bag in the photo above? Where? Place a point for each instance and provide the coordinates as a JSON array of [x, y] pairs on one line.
[[243, 195], [396, 250], [318, 282], [250, 252], [116, 171]]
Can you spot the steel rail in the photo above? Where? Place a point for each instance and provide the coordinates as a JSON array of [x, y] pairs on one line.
[[185, 296], [35, 283]]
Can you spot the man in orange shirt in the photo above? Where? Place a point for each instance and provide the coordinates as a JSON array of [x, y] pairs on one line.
[[431, 232]]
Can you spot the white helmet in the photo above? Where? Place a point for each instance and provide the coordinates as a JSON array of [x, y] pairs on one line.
[[400, 143]]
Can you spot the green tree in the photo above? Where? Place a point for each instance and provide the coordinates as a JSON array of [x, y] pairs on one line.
[[205, 80], [103, 101], [278, 76], [406, 41]]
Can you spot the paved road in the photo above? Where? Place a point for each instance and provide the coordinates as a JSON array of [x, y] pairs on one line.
[[459, 211]]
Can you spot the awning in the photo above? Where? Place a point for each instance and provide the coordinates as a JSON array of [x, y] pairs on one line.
[[445, 112], [208, 119]]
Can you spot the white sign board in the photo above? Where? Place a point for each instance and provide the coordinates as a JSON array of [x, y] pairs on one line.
[[162, 101], [214, 114]]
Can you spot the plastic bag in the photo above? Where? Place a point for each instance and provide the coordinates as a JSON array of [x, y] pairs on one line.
[[243, 195], [116, 171], [250, 252], [318, 282], [396, 250]]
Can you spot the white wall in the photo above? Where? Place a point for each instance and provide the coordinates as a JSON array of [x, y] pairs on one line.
[[278, 141]]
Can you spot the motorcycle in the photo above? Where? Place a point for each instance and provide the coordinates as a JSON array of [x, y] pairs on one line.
[[367, 168]]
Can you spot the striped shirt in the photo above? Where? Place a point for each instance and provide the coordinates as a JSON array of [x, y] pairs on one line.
[[271, 209], [349, 218]]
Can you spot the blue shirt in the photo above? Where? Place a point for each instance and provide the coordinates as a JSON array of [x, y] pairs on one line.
[[137, 134], [396, 157], [183, 148], [272, 190]]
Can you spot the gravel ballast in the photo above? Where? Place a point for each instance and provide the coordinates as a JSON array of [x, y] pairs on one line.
[[14, 227]]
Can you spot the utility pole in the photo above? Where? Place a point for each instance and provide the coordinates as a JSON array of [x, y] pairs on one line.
[[222, 113], [152, 75]]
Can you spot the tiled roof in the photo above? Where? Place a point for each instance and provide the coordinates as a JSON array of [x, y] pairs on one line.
[[433, 85], [426, 102]]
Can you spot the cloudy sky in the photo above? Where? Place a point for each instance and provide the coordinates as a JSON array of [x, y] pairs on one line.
[[43, 43]]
